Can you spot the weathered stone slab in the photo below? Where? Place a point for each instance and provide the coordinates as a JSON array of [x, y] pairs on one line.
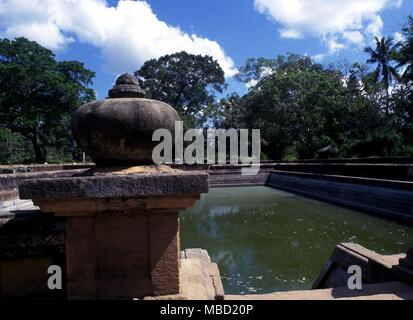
[[13, 169], [196, 284], [112, 186], [200, 278], [78, 207], [375, 267], [10, 182]]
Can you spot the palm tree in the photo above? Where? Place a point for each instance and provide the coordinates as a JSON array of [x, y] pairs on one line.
[[405, 56], [384, 54]]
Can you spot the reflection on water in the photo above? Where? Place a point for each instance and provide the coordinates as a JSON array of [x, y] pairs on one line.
[[266, 240]]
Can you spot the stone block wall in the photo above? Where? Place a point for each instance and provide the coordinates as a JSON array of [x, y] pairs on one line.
[[387, 199], [29, 244]]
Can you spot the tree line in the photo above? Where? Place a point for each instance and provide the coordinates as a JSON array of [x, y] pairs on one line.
[[304, 109]]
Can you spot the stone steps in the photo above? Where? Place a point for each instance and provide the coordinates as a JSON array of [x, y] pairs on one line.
[[234, 177]]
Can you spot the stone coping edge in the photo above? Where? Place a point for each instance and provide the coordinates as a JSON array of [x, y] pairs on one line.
[[394, 184], [122, 186]]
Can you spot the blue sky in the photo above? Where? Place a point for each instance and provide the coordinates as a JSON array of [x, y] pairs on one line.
[[112, 37]]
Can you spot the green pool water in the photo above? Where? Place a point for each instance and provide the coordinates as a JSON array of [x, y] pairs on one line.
[[266, 240]]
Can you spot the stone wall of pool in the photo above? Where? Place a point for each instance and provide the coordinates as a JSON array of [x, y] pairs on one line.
[[380, 189], [31, 240], [379, 186], [383, 198]]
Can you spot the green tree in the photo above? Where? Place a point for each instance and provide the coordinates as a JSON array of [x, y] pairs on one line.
[[384, 55], [297, 106], [256, 69], [14, 147], [305, 110], [38, 94], [228, 113], [403, 96], [185, 81], [405, 55], [368, 130]]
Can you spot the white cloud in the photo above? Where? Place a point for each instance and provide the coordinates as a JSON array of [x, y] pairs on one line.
[[398, 37], [290, 34], [127, 35], [250, 84], [264, 72], [374, 28], [338, 23], [355, 37], [318, 57], [334, 46]]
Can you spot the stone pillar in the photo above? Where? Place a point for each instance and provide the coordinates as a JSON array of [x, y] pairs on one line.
[[121, 224], [121, 228]]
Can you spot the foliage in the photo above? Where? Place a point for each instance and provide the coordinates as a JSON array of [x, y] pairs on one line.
[[14, 148], [185, 81], [307, 111], [403, 95], [38, 94], [304, 109], [383, 55]]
